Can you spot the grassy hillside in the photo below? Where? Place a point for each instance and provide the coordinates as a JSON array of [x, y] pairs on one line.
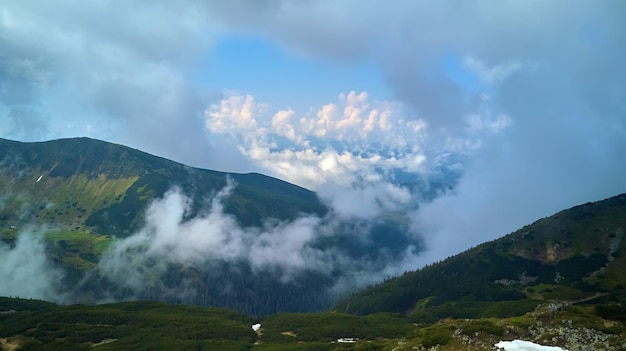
[[577, 255], [99, 188], [86, 193], [37, 325], [94, 186]]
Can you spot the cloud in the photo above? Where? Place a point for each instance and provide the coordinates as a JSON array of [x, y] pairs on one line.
[[341, 143], [213, 236], [551, 130], [26, 271], [107, 72], [530, 96], [366, 200], [290, 248]]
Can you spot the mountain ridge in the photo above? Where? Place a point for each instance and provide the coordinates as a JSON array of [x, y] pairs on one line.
[[575, 254], [154, 175], [90, 195]]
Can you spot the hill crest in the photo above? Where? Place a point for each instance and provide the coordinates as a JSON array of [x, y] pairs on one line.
[[576, 254]]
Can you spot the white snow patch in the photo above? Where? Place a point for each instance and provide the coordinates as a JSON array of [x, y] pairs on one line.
[[521, 345], [256, 327], [347, 340]]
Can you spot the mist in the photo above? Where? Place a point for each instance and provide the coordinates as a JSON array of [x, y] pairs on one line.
[[27, 272], [344, 250]]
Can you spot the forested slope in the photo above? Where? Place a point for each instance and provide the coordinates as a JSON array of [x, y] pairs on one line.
[[575, 255]]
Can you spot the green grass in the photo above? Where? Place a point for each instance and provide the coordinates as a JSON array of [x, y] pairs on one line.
[[556, 292], [332, 326], [37, 325], [133, 326], [474, 310], [158, 326], [76, 248]]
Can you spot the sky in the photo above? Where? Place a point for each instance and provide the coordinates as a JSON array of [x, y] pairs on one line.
[[339, 97]]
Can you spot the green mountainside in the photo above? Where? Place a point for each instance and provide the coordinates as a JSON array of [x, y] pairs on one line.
[[84, 196], [559, 281], [95, 186], [86, 193], [577, 255]]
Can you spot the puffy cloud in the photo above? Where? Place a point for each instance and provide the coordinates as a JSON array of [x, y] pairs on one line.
[[234, 113], [344, 143], [367, 200], [549, 133]]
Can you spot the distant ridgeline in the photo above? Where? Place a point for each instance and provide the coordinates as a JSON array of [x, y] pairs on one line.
[[577, 255], [88, 193], [107, 186]]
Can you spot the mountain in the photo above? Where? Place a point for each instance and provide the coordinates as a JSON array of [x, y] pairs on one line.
[[559, 281], [85, 194], [112, 232], [577, 255], [105, 187]]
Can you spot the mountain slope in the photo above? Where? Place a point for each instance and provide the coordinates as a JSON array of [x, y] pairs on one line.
[[120, 224], [99, 180], [573, 256], [85, 188], [85, 194]]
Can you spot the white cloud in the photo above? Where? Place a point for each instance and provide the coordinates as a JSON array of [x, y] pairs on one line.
[[235, 113], [26, 271], [341, 143], [545, 121], [290, 247], [367, 200], [105, 71]]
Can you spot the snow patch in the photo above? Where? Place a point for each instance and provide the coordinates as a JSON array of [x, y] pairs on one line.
[[347, 340], [521, 345]]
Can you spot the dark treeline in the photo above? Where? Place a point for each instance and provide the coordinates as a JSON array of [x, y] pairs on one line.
[[216, 284]]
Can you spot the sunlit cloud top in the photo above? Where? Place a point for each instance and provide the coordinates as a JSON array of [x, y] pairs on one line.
[[353, 139]]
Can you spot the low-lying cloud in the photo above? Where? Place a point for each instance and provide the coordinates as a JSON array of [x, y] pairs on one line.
[[290, 247], [213, 235], [26, 271]]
